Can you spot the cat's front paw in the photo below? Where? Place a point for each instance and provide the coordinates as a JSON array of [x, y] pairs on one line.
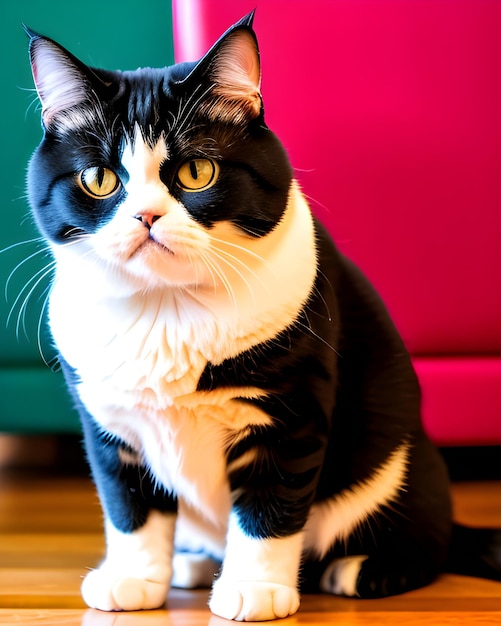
[[248, 601], [113, 591]]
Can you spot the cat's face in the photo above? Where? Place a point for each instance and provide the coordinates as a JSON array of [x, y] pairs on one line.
[[162, 175]]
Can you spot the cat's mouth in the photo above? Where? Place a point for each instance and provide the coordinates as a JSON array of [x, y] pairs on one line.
[[152, 244], [145, 247]]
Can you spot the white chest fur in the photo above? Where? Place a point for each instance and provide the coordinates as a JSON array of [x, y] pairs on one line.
[[139, 366]]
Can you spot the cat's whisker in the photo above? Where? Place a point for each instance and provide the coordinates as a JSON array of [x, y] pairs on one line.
[[317, 202], [41, 318], [24, 197], [247, 268], [43, 250], [231, 263], [23, 243], [31, 90], [308, 328], [171, 114], [27, 217], [31, 286], [29, 289], [233, 267], [318, 291], [205, 147], [223, 278], [75, 240], [210, 270], [189, 130], [193, 263], [72, 240], [240, 248], [34, 104], [114, 124], [182, 109], [204, 150], [187, 115]]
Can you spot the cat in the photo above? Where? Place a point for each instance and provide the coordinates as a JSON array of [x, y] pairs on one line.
[[250, 413]]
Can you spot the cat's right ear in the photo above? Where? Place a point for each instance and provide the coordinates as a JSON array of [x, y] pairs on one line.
[[232, 67], [60, 78]]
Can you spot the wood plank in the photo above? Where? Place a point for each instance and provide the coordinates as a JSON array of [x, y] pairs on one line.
[[195, 617], [51, 532], [477, 503], [50, 550]]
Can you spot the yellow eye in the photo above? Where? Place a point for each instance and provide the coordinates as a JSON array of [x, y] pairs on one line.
[[98, 182], [197, 174]]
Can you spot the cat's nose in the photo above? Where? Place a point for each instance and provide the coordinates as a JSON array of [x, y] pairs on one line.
[[147, 219]]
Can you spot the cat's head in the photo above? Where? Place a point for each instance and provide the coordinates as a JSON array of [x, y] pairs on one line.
[[157, 174]]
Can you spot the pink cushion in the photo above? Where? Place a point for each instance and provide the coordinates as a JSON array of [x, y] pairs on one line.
[[461, 399], [391, 113]]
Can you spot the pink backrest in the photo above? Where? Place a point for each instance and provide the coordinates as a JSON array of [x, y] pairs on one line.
[[391, 113]]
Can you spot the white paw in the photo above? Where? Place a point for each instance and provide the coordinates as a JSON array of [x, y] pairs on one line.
[[113, 591], [192, 570], [340, 577], [247, 601], [137, 570]]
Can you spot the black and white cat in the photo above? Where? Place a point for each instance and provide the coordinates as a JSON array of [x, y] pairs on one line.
[[246, 401]]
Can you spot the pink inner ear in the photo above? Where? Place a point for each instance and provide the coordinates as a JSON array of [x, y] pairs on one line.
[[59, 83], [237, 71]]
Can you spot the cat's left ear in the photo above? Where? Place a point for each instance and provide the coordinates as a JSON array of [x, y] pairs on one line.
[[234, 68], [62, 81]]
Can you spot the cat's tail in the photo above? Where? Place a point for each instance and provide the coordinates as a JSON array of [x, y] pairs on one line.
[[475, 552]]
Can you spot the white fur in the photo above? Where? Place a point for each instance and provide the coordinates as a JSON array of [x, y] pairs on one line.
[[340, 577], [195, 533], [259, 577], [137, 571], [192, 570], [336, 518]]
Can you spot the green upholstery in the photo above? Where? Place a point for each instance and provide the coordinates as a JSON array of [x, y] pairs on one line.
[[122, 35]]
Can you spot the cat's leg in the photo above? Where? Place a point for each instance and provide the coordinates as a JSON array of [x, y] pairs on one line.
[[137, 569], [259, 578], [400, 547], [377, 575], [273, 476], [139, 524]]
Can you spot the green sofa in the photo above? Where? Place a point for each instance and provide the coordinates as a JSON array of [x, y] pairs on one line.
[[105, 34]]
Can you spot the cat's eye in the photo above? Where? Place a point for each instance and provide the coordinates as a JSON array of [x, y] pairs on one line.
[[98, 182], [197, 174]]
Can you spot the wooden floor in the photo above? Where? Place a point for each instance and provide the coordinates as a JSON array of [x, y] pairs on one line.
[[50, 532]]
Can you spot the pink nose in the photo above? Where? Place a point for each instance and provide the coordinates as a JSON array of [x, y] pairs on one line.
[[147, 218]]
